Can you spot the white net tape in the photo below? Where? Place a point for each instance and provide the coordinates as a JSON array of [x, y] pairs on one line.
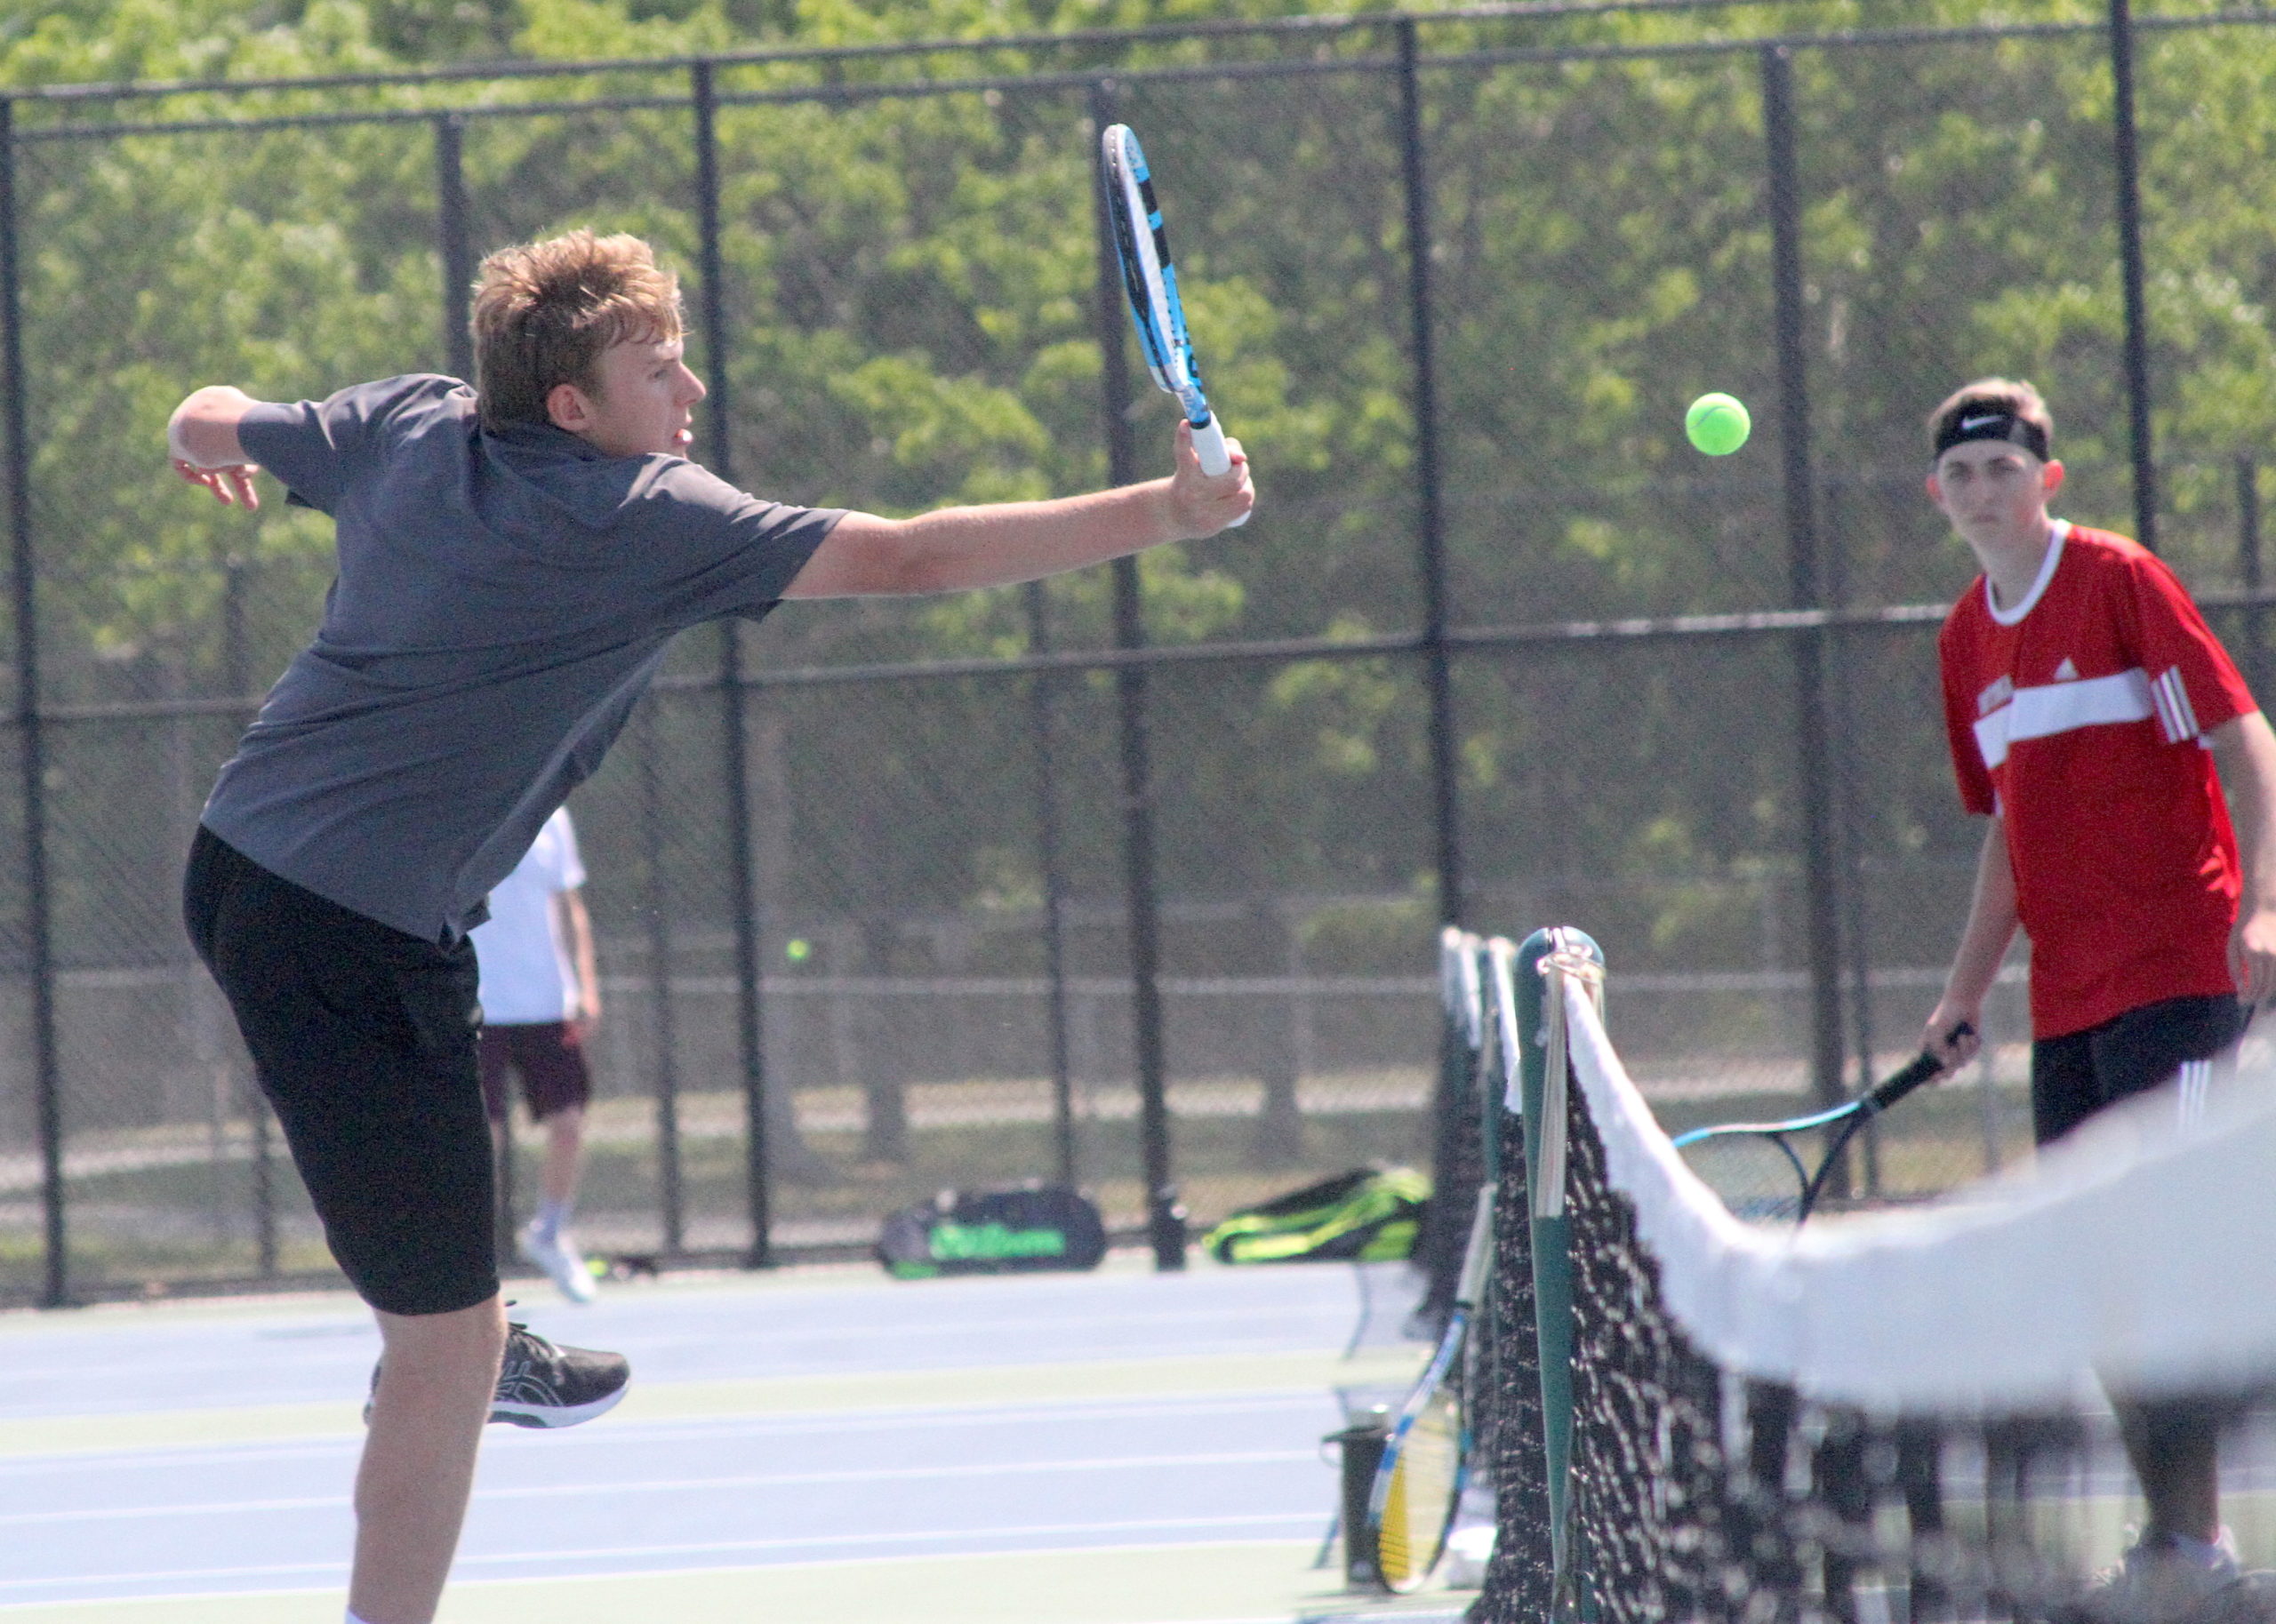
[[2140, 1251]]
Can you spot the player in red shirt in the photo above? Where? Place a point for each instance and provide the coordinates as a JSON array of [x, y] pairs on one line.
[[2099, 725]]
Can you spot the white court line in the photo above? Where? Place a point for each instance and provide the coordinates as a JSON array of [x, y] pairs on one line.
[[125, 1457], [819, 1368], [1298, 1520], [995, 1412], [94, 1589], [667, 1485], [969, 1537], [814, 1344], [1123, 1548]]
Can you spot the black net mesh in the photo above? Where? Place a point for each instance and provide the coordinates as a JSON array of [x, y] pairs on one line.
[[1695, 1491], [1506, 1394]]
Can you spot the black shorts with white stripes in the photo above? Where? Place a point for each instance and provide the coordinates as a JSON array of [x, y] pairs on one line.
[[2076, 1074]]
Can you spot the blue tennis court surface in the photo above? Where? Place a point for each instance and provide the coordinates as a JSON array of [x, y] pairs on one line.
[[1054, 1450]]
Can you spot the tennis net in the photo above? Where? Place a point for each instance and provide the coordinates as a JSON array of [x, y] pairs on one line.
[[1878, 1417]]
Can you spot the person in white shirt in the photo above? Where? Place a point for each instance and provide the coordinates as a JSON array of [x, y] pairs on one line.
[[540, 1000]]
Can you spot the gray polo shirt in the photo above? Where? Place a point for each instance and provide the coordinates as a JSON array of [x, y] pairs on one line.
[[502, 600]]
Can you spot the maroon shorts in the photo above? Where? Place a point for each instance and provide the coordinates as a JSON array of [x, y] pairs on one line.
[[550, 1060]]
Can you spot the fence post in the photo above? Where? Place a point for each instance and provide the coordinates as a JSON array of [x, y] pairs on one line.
[[1850, 828], [1164, 1222], [718, 425], [656, 897], [454, 241], [1430, 541], [454, 250], [2127, 152], [1044, 722], [39, 925], [237, 673], [1821, 879], [2255, 623]]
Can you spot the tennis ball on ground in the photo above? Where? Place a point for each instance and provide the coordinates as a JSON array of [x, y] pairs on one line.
[[1717, 424], [797, 949]]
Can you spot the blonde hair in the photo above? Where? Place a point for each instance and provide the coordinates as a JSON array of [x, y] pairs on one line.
[[545, 312], [2013, 397]]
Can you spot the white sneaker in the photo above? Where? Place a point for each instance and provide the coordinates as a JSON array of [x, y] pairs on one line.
[[2161, 1581], [557, 1255]]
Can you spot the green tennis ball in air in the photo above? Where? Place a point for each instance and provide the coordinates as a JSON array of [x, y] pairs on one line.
[[1717, 424], [797, 949]]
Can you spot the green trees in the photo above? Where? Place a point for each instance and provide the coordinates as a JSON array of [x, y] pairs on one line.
[[910, 294]]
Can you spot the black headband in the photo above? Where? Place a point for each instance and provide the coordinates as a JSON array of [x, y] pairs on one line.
[[1990, 422]]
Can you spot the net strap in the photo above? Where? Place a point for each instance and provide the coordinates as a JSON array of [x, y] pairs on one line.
[[1571, 973]]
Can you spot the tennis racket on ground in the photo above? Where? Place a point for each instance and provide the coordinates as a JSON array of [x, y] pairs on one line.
[[1756, 1169], [1419, 1485], [1150, 280]]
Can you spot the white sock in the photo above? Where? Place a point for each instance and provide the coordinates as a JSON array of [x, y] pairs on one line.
[[551, 1216]]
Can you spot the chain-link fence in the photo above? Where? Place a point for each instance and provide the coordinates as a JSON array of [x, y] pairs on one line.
[[1133, 877]]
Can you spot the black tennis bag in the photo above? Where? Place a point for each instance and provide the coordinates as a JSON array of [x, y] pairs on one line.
[[993, 1232]]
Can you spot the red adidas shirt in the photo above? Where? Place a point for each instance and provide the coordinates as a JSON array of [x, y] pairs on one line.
[[2080, 714]]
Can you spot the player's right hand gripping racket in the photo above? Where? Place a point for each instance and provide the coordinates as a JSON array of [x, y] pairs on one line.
[[1755, 1170], [1149, 277], [1418, 1487]]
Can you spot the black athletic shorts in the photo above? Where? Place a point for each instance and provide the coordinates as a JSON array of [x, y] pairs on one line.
[[2076, 1074], [364, 1039], [551, 1058]]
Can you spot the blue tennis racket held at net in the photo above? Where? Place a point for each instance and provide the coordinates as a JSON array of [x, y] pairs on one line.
[[1760, 1174], [1150, 280]]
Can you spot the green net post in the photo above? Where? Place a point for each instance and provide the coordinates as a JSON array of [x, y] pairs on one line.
[[1552, 1260]]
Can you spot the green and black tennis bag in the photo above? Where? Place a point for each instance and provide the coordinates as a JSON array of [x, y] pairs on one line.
[[1369, 1215], [993, 1232]]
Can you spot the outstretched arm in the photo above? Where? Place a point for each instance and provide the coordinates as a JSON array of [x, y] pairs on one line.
[[1992, 921], [1001, 543], [202, 440], [2244, 748]]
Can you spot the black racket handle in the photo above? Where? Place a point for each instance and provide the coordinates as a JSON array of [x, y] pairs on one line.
[[1923, 1067]]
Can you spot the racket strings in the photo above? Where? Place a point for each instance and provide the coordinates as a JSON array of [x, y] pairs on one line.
[[1420, 1492]]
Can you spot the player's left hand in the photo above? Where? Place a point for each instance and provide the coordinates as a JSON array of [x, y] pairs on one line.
[[1204, 504], [2252, 954], [231, 485]]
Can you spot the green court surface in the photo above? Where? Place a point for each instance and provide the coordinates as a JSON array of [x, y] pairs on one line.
[[1117, 1448]]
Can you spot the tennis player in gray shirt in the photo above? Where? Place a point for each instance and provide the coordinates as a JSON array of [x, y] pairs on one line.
[[513, 559]]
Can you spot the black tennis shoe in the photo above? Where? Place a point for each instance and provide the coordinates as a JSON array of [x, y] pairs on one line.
[[542, 1385]]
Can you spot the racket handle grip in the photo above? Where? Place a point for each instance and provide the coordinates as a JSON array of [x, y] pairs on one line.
[[1209, 446]]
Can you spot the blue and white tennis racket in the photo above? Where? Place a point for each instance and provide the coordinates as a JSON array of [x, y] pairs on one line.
[[1149, 278], [1761, 1176], [1425, 1463]]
